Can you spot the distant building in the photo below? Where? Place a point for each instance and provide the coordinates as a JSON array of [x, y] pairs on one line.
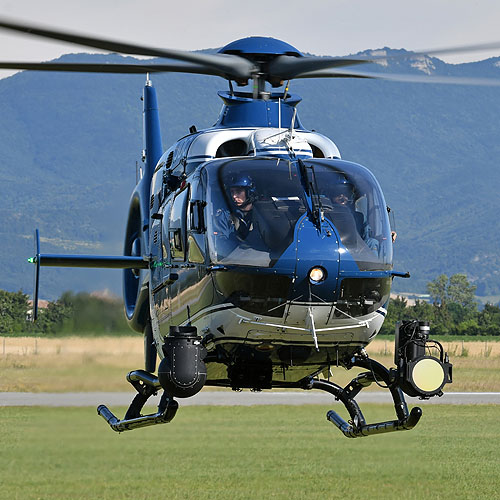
[[105, 294], [411, 298], [42, 304]]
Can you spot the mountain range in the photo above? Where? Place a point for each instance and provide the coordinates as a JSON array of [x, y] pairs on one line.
[[70, 142]]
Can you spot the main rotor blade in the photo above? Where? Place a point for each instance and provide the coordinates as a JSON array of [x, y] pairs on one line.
[[431, 52], [228, 64], [481, 47], [288, 67], [395, 77], [113, 68]]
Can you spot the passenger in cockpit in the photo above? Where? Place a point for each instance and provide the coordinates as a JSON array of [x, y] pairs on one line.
[[343, 197]]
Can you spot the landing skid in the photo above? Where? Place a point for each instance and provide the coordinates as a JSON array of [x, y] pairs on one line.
[[146, 385], [357, 426]]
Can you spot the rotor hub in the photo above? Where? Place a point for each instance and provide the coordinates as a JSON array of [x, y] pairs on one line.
[[253, 46]]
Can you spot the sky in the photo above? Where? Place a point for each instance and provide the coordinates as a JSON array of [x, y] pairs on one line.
[[321, 27]]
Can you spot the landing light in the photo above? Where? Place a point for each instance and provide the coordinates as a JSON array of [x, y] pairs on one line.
[[316, 275], [420, 374], [428, 375]]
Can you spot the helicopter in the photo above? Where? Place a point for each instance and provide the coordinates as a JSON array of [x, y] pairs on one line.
[[255, 257]]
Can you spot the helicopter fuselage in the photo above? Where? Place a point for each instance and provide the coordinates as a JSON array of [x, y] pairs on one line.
[[253, 299], [254, 256]]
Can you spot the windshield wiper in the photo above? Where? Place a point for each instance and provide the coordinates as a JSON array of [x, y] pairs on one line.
[[311, 192]]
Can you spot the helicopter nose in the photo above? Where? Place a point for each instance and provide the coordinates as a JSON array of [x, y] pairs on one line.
[[317, 262]]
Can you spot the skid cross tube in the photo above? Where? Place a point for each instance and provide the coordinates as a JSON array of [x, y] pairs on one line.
[[357, 426], [352, 431], [162, 416], [146, 385]]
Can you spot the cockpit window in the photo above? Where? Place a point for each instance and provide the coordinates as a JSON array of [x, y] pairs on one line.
[[351, 199], [254, 206]]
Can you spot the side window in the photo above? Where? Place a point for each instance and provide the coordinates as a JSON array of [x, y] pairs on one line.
[[361, 207], [177, 225], [374, 212], [176, 246], [196, 232], [196, 241], [195, 253]]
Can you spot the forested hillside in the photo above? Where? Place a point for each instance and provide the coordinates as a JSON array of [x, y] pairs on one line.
[[70, 142]]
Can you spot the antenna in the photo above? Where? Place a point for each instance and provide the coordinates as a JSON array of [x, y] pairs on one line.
[[279, 114], [286, 89], [292, 123]]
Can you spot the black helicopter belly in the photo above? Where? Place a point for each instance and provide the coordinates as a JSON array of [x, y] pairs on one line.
[[243, 366]]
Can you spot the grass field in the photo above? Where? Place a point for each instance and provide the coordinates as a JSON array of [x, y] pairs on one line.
[[29, 364], [248, 453]]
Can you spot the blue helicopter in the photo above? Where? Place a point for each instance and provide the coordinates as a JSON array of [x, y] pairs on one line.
[[254, 256]]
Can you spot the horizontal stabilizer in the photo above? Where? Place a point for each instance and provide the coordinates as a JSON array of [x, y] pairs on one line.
[[97, 261]]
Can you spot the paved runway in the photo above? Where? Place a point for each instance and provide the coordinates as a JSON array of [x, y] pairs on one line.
[[230, 398]]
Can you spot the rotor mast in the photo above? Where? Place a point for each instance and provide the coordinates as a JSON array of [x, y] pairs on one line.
[[261, 52]]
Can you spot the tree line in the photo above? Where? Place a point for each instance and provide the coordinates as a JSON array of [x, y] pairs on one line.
[[80, 314], [453, 311]]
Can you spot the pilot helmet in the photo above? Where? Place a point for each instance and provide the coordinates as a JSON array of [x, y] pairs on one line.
[[246, 182]]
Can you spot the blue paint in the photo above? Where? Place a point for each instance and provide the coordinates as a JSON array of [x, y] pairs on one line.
[[260, 45], [315, 248], [137, 238], [240, 110], [153, 148], [152, 134]]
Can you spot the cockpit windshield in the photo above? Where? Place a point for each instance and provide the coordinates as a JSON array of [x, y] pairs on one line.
[[254, 205]]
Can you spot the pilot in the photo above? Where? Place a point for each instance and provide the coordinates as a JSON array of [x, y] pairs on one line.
[[242, 225], [242, 193]]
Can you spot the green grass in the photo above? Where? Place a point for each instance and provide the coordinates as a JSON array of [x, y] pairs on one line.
[[256, 452]]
